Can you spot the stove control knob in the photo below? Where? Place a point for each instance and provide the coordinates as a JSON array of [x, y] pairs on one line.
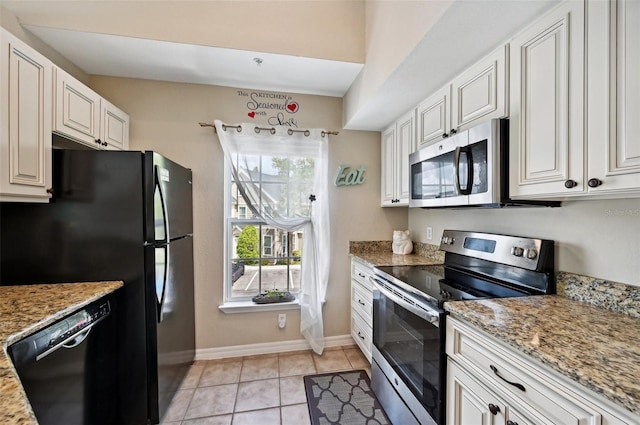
[[531, 254], [446, 240], [517, 251]]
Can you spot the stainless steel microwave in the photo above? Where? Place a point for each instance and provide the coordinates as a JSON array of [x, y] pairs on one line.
[[468, 169]]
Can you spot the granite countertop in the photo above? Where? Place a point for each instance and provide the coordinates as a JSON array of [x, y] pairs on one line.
[[380, 253], [596, 347], [24, 310]]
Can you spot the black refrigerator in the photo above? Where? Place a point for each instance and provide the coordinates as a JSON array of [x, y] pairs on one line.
[[118, 215]]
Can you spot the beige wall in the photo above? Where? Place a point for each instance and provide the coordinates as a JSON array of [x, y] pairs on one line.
[[593, 238], [165, 116], [392, 31], [318, 29]]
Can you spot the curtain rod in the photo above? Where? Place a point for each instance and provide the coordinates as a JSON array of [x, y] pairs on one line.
[[271, 129]]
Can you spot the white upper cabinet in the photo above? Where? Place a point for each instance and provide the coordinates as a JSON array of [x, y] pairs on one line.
[[82, 115], [25, 118], [476, 95], [433, 119], [114, 130], [614, 97], [547, 105], [575, 106], [398, 142], [77, 109], [481, 92]]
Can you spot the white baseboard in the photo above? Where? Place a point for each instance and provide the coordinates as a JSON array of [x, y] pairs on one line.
[[269, 348]]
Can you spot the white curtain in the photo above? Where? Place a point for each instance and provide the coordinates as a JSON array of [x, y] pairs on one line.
[[249, 140]]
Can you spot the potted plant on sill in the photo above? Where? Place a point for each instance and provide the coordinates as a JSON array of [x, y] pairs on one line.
[[273, 296]]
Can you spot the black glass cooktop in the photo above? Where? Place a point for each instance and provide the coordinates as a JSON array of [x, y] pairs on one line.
[[429, 282]]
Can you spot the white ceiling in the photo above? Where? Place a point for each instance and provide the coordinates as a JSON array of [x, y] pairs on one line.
[[119, 56]]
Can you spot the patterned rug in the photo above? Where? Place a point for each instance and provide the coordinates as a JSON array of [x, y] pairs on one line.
[[343, 398]]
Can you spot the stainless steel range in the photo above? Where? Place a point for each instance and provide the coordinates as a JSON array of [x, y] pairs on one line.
[[409, 364]]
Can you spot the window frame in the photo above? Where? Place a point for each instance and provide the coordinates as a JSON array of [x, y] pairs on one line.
[[236, 304]]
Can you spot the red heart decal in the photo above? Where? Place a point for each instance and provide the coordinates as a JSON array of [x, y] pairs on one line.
[[251, 114], [292, 107]]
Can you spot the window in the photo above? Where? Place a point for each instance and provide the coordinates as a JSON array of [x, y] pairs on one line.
[[262, 257], [242, 211], [267, 250]]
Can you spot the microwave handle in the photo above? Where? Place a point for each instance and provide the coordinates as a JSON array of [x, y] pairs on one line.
[[456, 161]]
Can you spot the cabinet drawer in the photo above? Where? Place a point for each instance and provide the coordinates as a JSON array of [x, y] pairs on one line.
[[361, 274], [362, 301], [511, 376], [362, 335]]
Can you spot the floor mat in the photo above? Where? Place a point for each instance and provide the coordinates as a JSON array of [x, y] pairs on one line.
[[343, 398]]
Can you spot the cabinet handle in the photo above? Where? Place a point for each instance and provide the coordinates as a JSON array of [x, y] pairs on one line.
[[594, 182], [98, 141], [361, 275], [515, 384], [494, 409], [569, 184], [445, 135], [453, 131], [361, 303], [50, 191], [361, 337], [510, 422]]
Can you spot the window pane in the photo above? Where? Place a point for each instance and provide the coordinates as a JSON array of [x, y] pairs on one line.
[[248, 167], [275, 169], [301, 169], [299, 200], [275, 199]]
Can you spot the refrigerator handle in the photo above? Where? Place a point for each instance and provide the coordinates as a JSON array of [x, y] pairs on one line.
[[161, 292], [163, 204]]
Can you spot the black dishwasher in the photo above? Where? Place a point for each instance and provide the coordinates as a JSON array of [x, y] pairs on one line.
[[68, 369]]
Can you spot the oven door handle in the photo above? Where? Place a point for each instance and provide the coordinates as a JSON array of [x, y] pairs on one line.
[[430, 316]]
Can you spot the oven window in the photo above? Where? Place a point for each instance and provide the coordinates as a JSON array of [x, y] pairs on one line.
[[413, 348]]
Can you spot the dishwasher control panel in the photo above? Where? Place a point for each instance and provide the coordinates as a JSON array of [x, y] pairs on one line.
[[63, 333]]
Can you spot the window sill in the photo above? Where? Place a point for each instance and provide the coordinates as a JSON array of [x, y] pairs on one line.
[[251, 307]]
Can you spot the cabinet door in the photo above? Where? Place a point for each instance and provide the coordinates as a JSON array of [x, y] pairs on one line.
[[114, 127], [432, 116], [480, 92], [614, 97], [25, 115], [405, 145], [469, 402], [77, 110], [546, 105], [387, 168]]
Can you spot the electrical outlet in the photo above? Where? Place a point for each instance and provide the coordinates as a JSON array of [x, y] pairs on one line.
[[429, 233], [282, 320]]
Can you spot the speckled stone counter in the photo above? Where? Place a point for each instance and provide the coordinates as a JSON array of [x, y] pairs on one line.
[[595, 347], [23, 311], [379, 253]]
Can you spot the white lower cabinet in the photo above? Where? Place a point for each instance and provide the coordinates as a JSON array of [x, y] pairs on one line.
[[489, 382], [362, 307]]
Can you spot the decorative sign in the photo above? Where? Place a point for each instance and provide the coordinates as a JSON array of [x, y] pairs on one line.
[[350, 178], [277, 108]]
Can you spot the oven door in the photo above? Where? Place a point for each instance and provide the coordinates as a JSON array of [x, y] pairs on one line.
[[409, 341]]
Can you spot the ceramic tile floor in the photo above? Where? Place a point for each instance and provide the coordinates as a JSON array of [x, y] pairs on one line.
[[256, 390]]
